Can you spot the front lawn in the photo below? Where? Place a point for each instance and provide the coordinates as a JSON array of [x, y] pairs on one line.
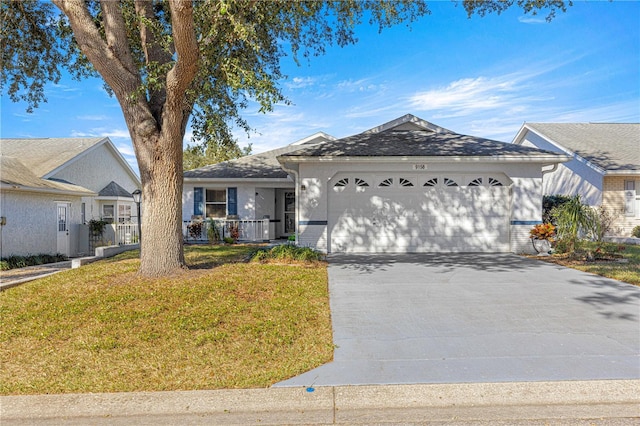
[[222, 324], [627, 271]]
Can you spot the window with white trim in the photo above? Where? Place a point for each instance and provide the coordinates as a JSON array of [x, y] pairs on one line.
[[629, 198], [476, 182], [450, 182], [124, 213], [216, 203], [108, 211]]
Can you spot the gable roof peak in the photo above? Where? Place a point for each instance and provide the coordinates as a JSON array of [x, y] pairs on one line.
[[408, 122]]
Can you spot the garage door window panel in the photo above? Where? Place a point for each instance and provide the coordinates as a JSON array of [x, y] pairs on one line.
[[386, 183]]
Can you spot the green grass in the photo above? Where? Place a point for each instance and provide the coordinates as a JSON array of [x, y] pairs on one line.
[[628, 272], [223, 324]]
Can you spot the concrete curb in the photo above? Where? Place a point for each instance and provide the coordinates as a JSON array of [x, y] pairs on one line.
[[612, 399]]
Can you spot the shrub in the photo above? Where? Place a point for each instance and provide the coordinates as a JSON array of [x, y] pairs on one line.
[[636, 232], [543, 231], [229, 240], [213, 232], [549, 202], [288, 252], [573, 219], [13, 262], [195, 230]]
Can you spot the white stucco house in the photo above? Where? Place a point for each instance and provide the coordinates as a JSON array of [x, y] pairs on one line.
[[405, 186], [50, 187], [604, 167]]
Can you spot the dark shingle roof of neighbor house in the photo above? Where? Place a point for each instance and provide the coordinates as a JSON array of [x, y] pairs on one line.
[[114, 190], [257, 166], [264, 165], [43, 155], [415, 143], [611, 146]]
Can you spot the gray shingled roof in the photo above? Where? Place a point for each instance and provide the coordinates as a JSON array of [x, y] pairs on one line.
[[264, 165], [44, 155], [611, 146], [114, 190], [15, 173], [415, 143]]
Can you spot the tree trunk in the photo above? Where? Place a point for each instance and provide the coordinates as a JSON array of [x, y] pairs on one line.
[[161, 234]]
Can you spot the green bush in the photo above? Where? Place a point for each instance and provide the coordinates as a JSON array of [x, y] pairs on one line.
[[288, 252], [13, 262], [549, 202], [573, 221], [636, 232]]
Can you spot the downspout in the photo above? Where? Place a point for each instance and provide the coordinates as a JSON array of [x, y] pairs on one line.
[[551, 170], [296, 180]]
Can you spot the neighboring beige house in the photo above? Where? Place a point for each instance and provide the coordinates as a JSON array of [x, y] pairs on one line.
[[50, 187], [605, 165], [405, 186]]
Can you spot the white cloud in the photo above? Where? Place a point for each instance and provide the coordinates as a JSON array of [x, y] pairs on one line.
[[92, 117], [468, 95], [532, 20], [102, 132], [301, 82], [361, 85]]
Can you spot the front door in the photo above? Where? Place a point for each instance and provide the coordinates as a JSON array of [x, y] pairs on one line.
[[289, 212], [63, 229]]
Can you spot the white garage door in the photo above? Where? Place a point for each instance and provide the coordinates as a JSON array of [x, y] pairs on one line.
[[392, 213]]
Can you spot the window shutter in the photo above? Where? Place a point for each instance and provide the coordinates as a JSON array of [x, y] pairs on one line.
[[629, 198], [232, 201], [198, 202]]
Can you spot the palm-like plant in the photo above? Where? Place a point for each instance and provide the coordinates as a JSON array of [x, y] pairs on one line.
[[573, 219]]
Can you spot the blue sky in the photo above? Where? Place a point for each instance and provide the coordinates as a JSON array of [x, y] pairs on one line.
[[480, 76]]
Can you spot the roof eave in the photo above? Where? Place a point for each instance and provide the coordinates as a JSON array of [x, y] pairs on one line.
[[546, 159], [45, 190], [241, 180], [621, 172]]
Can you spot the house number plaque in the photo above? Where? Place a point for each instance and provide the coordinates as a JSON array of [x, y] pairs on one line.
[[419, 167]]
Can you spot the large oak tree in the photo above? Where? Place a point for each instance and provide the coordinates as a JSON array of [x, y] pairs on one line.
[[171, 61]]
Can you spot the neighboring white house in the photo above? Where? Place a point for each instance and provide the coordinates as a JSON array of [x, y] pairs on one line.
[[49, 187], [405, 186], [604, 167]]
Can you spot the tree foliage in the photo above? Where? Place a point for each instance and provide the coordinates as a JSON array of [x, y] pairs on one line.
[[200, 155]]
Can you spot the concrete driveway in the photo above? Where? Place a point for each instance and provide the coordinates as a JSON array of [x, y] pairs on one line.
[[460, 318]]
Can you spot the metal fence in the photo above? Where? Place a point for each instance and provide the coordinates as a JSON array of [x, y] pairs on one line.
[[195, 231]]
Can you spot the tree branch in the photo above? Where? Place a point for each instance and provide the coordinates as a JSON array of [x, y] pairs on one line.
[[181, 76], [153, 51], [115, 29]]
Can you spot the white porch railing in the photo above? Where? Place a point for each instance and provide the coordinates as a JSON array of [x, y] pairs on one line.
[[127, 233], [244, 230]]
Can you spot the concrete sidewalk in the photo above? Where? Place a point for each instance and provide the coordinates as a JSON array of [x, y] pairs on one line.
[[581, 402]]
